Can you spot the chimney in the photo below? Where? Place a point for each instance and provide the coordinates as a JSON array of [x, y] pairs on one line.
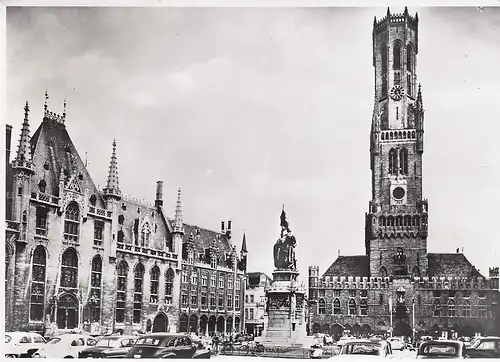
[[8, 130], [338, 252], [228, 231], [159, 194], [458, 250], [222, 229]]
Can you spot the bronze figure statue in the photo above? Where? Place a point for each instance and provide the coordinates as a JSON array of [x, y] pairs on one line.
[[284, 248]]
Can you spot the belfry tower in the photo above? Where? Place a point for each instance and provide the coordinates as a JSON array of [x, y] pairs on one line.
[[396, 223]]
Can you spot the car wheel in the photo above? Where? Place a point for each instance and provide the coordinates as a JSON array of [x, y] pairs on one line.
[[10, 356], [69, 357]]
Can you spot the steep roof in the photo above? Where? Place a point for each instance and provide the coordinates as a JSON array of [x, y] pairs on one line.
[[441, 265], [255, 279], [349, 265]]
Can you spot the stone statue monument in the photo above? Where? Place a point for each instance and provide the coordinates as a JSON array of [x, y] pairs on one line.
[[285, 297]]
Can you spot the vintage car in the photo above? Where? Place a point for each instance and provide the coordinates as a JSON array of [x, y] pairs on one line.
[[359, 348], [397, 343], [441, 349], [17, 344], [167, 345], [109, 347], [316, 351], [484, 347], [64, 346]]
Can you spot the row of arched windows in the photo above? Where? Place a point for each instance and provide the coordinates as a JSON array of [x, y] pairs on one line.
[[400, 220], [351, 307], [397, 135], [398, 161], [415, 272], [397, 65], [121, 289], [449, 309]]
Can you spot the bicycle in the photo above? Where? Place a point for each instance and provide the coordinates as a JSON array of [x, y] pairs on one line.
[[227, 348], [256, 349]]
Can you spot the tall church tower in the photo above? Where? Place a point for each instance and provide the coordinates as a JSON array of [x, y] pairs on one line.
[[396, 224]]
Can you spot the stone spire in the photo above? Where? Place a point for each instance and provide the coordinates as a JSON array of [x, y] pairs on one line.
[[23, 157], [112, 185], [420, 104], [178, 225], [244, 244]]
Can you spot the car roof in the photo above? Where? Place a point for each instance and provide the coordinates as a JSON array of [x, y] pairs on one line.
[[442, 341], [23, 333], [354, 341]]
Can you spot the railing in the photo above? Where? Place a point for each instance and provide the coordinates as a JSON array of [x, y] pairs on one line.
[[45, 198], [100, 212], [13, 225], [145, 251]]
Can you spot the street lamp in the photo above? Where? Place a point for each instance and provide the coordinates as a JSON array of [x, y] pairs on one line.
[[390, 316], [413, 317]]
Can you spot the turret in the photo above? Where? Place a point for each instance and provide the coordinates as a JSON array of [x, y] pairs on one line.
[[419, 114], [243, 254], [178, 226], [23, 160], [112, 190]]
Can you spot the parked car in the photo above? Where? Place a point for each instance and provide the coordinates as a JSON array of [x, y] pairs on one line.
[[166, 345], [396, 343], [17, 344], [64, 346], [441, 349], [484, 347], [109, 347], [364, 347]]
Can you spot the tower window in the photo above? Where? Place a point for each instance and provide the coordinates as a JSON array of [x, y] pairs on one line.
[[403, 161], [384, 85], [383, 51], [409, 85], [393, 161], [383, 272], [409, 58], [121, 291], [38, 284], [396, 56], [397, 78]]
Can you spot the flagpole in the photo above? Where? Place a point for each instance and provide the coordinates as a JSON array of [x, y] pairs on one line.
[[390, 314]]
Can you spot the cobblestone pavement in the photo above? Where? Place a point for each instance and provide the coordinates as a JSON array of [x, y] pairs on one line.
[[406, 354]]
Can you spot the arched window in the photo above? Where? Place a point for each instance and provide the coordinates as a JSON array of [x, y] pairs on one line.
[[95, 289], [436, 307], [451, 308], [415, 272], [69, 269], [169, 285], [38, 284], [466, 308], [71, 222], [383, 52], [321, 306], [396, 56], [393, 161], [390, 221], [381, 220], [93, 200], [352, 307], [121, 236], [383, 272], [409, 58], [42, 185], [121, 290], [336, 306], [481, 309], [138, 282], [145, 232], [399, 220], [363, 307], [154, 277], [403, 161], [409, 85], [121, 218]]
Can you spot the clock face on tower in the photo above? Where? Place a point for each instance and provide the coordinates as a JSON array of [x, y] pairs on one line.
[[398, 193], [397, 92]]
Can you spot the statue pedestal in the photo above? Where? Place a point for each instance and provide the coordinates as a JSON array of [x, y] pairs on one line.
[[286, 323]]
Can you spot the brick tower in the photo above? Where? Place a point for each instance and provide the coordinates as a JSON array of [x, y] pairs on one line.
[[396, 223]]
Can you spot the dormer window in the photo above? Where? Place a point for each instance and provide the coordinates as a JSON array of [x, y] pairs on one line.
[[145, 233], [42, 185]]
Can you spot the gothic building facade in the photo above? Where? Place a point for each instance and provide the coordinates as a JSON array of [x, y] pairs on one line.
[[397, 280], [81, 258]]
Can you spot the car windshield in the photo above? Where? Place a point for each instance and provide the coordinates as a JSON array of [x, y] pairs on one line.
[[8, 338], [475, 343], [150, 341], [440, 349], [362, 348], [54, 341], [108, 342]]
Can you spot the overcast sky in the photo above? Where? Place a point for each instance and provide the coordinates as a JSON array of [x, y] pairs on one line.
[[248, 109]]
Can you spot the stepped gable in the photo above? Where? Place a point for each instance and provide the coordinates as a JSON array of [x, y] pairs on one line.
[[139, 216], [53, 151], [451, 265], [350, 265]]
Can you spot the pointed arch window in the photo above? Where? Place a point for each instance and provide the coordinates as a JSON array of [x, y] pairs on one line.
[[363, 307], [393, 161], [451, 308], [383, 272], [415, 272], [121, 290], [169, 285], [409, 85], [145, 233], [95, 289], [154, 277], [121, 236], [41, 221], [336, 306], [37, 297], [403, 161], [138, 284], [466, 308], [321, 306], [384, 52], [409, 58], [436, 307], [69, 269], [352, 307], [71, 222], [396, 56]]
